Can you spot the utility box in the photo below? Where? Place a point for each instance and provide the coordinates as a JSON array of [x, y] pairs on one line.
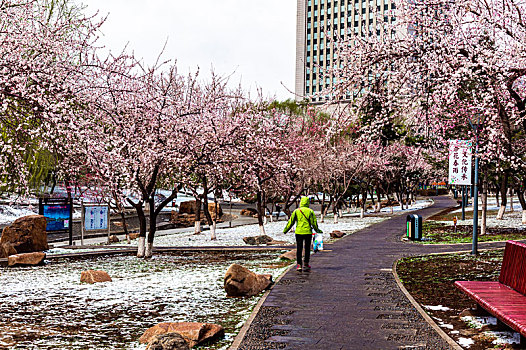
[[414, 227]]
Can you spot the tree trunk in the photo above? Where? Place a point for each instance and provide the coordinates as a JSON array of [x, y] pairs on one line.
[[322, 208], [504, 198], [379, 202], [125, 226], [400, 200], [497, 194], [152, 228], [142, 228], [265, 221], [335, 212], [120, 209], [511, 200], [207, 211], [260, 212], [197, 225], [522, 201]]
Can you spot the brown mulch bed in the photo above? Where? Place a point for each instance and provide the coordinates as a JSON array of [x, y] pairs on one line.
[[430, 280]]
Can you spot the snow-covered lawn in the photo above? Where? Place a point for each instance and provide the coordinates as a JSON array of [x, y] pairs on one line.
[[8, 213], [234, 236], [510, 219], [46, 307], [419, 204]]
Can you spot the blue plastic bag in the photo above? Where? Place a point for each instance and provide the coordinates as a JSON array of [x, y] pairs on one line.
[[318, 242]]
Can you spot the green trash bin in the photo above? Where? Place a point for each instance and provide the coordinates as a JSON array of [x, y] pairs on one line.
[[414, 227]]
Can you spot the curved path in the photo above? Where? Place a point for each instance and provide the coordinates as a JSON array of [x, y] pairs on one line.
[[350, 300]]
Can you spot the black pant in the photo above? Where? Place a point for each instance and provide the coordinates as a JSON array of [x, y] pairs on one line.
[[302, 240]]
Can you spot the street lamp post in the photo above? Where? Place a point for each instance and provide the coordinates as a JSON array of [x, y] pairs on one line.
[[475, 124]]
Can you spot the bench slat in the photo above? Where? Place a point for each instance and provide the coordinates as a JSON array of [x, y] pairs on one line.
[[503, 302], [513, 270]]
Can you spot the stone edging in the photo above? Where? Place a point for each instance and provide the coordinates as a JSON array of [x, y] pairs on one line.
[[241, 335], [424, 314]]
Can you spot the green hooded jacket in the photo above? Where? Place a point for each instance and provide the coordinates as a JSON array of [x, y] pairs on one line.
[[304, 218]]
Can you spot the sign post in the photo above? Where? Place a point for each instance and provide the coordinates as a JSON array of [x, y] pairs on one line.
[[59, 215], [460, 152], [95, 217]]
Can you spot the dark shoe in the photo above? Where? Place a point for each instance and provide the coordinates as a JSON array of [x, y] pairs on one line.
[[298, 267], [307, 268]]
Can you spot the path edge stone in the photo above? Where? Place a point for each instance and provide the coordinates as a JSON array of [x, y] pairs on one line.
[[243, 331], [424, 314]]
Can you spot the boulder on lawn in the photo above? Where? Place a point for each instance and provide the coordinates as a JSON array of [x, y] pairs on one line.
[[114, 239], [257, 240], [92, 276], [273, 242], [337, 234], [241, 282], [25, 235], [249, 212], [290, 255], [188, 207], [26, 259], [192, 332], [168, 341]]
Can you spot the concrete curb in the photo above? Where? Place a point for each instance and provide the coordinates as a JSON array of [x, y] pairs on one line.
[[130, 251], [424, 314], [241, 335]]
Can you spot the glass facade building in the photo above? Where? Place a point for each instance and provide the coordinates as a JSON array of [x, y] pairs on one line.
[[314, 51]]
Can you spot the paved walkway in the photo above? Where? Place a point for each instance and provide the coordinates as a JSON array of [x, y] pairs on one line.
[[350, 299]]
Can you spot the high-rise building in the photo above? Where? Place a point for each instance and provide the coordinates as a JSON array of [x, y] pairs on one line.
[[313, 49]]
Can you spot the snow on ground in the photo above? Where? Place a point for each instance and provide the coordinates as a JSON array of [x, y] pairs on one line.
[[492, 205], [436, 308], [9, 213], [465, 342], [479, 321], [509, 220], [234, 236], [503, 337], [419, 204], [143, 293]]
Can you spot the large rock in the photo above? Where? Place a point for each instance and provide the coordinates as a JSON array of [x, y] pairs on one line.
[[92, 276], [26, 259], [273, 242], [249, 212], [337, 234], [290, 255], [168, 341], [241, 282], [25, 235], [257, 240], [193, 332]]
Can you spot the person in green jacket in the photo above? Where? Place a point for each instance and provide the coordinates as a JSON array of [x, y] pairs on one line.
[[305, 221]]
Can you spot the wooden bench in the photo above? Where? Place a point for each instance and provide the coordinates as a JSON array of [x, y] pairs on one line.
[[505, 299]]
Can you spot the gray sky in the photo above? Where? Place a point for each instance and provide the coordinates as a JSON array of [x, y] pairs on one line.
[[254, 39]]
